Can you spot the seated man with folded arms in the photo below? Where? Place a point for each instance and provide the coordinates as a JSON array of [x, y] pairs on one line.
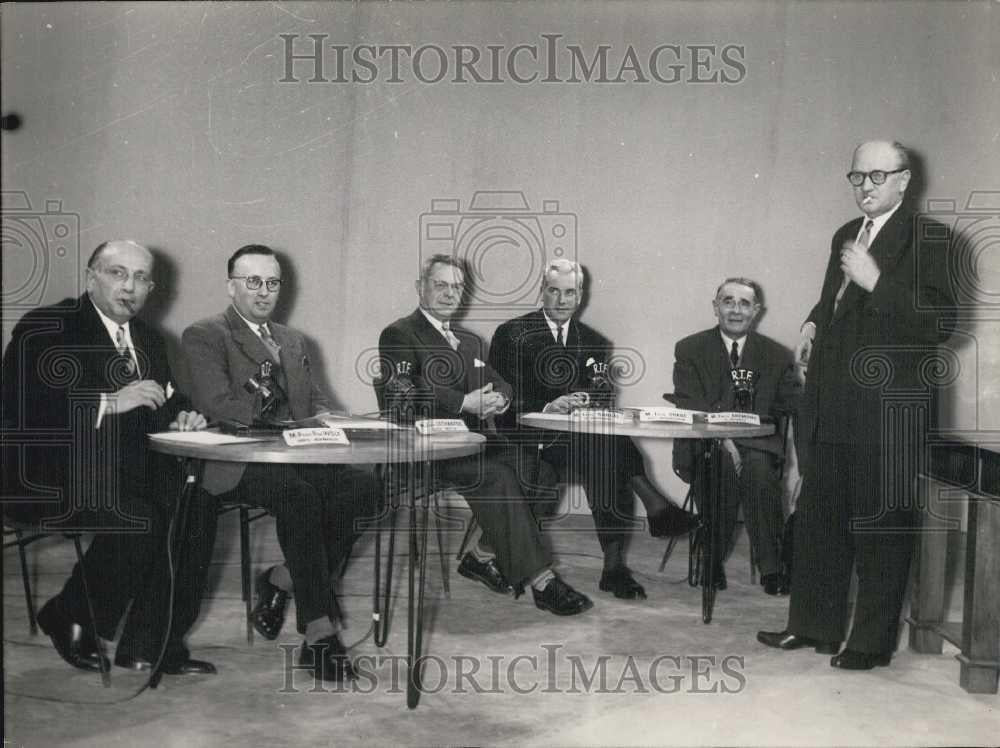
[[317, 507], [557, 363], [431, 369], [703, 366]]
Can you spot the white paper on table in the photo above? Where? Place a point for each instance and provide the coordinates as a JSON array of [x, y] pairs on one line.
[[353, 422], [207, 438]]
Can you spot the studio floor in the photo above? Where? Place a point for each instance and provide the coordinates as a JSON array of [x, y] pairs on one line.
[[498, 671]]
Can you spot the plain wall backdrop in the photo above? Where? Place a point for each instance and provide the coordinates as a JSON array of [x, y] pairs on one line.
[[167, 123]]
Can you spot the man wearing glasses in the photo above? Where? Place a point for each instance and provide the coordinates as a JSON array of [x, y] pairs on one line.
[[709, 367], [884, 309], [84, 382], [245, 367]]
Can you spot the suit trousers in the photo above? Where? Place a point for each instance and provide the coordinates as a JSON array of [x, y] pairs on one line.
[[604, 465], [489, 483], [758, 490], [125, 567], [319, 511], [855, 511]]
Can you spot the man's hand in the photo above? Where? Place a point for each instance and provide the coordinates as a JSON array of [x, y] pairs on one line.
[[189, 420], [859, 266], [484, 402], [803, 351], [566, 403], [144, 394], [734, 453]]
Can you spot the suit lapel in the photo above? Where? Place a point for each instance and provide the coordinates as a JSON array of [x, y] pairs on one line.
[[245, 339]]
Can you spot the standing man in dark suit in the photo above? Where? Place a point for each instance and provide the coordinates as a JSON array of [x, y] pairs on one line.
[[431, 369], [556, 363], [884, 309], [704, 364], [317, 507], [93, 380]]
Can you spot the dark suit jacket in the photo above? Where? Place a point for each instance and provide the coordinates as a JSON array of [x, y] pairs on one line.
[[59, 362], [876, 342], [702, 382], [412, 351], [223, 353], [524, 352]]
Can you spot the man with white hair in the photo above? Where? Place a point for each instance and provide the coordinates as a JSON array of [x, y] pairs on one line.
[[555, 363]]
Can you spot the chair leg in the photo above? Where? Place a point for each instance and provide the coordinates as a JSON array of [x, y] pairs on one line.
[[101, 657], [245, 570], [29, 601]]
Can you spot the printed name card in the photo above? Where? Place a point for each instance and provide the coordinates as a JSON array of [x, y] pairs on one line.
[[429, 426], [746, 419], [669, 415], [308, 437]]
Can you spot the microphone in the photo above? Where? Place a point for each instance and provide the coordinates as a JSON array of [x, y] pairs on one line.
[[262, 386], [744, 389]]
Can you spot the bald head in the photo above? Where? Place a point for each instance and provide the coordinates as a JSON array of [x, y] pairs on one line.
[[884, 156], [119, 278]]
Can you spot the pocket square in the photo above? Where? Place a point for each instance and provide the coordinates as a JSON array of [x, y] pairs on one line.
[[477, 363]]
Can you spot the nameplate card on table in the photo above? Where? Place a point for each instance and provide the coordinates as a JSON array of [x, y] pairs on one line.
[[744, 419], [430, 426], [600, 415], [661, 414], [311, 436]]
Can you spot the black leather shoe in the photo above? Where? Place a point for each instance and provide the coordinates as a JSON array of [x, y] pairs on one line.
[[621, 582], [788, 641], [269, 614], [73, 642], [561, 599], [771, 583], [852, 659], [486, 572], [186, 666], [328, 660], [671, 521]]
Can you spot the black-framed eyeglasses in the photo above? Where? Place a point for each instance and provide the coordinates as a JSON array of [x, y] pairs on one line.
[[254, 282], [857, 178], [120, 275]]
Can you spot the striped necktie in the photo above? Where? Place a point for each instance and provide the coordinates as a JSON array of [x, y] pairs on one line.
[[863, 241], [124, 353], [273, 349], [451, 337]]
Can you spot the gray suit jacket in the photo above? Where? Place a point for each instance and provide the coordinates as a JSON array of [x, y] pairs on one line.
[[222, 354]]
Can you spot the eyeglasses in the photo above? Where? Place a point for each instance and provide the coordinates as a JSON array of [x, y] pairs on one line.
[[857, 178], [742, 304], [254, 282], [118, 274]]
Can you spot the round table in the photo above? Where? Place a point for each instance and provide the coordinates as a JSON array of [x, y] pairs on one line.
[[707, 535], [402, 447]]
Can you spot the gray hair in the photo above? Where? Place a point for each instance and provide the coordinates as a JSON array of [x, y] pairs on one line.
[[440, 259], [758, 292], [561, 266]]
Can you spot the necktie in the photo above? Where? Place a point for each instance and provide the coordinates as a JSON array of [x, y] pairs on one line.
[[124, 353], [864, 239], [270, 343], [734, 355], [451, 337], [559, 336]]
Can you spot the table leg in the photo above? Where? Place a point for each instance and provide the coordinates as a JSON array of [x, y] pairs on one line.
[[930, 553], [191, 472], [418, 554], [711, 526], [980, 658], [380, 603]]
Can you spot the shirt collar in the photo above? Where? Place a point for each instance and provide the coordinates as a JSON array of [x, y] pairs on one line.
[[111, 326], [878, 222], [435, 322], [254, 326], [729, 342], [554, 327]]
